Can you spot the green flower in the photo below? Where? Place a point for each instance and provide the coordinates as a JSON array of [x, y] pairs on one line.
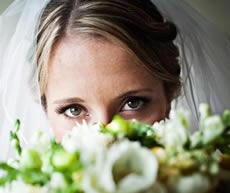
[[30, 159], [119, 126], [63, 159]]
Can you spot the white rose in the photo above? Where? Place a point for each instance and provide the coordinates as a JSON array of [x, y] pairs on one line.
[[125, 167]]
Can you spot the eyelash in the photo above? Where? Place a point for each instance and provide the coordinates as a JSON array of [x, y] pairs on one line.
[[144, 100], [62, 110]]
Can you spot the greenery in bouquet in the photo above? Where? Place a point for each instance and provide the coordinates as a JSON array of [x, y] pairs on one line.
[[125, 157]]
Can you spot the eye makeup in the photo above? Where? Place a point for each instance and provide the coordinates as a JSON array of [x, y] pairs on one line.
[[140, 101], [132, 106], [75, 109]]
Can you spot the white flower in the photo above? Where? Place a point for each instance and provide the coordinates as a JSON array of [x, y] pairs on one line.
[[196, 183], [125, 167], [21, 187], [213, 128], [159, 128], [40, 142], [205, 110], [57, 181], [87, 140], [196, 139], [175, 130]]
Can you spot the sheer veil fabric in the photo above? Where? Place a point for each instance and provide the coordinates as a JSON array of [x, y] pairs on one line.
[[205, 52], [19, 93], [204, 59]]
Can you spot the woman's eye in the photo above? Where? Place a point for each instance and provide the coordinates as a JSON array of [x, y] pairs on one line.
[[73, 111], [133, 104]]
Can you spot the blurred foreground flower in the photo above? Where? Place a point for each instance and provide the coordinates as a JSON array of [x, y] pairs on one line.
[[125, 157], [125, 167]]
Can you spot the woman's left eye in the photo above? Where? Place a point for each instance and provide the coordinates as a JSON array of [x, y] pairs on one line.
[[134, 103]]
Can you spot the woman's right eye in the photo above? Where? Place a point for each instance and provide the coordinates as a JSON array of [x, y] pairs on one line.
[[71, 111]]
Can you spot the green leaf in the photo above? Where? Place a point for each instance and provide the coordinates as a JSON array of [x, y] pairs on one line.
[[35, 177], [71, 188], [6, 167], [17, 125], [15, 140], [11, 174], [55, 145], [226, 118]]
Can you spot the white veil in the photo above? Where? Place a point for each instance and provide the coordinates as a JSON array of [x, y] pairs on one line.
[[17, 73], [204, 59], [205, 53]]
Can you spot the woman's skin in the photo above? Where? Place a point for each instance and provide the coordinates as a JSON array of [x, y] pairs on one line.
[[94, 79]]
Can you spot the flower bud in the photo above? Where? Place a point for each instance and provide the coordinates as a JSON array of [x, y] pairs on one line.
[[205, 111], [62, 159], [119, 126], [30, 159]]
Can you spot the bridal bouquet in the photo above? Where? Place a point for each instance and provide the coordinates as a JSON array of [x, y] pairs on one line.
[[125, 157]]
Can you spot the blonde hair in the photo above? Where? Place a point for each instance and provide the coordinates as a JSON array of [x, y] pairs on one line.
[[137, 24]]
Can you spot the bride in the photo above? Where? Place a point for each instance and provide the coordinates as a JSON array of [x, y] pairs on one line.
[[62, 62]]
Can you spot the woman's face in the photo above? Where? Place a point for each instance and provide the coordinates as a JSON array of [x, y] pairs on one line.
[[93, 80]]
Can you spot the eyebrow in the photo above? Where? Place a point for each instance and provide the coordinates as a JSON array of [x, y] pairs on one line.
[[79, 100], [69, 100], [133, 92]]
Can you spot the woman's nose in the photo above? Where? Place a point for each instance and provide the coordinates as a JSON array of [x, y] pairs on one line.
[[102, 116]]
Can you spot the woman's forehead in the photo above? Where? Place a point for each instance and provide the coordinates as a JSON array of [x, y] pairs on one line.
[[93, 55], [82, 65]]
